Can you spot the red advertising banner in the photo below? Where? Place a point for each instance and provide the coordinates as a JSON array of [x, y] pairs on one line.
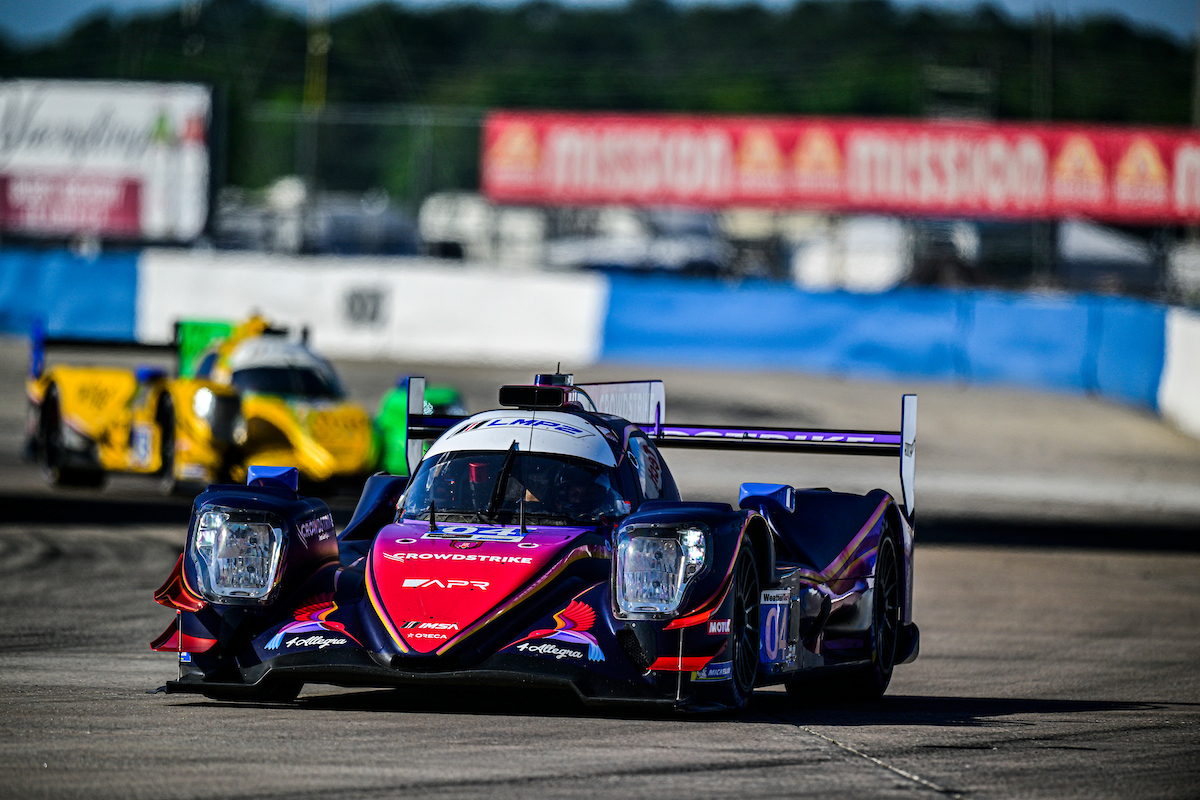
[[929, 168], [69, 204]]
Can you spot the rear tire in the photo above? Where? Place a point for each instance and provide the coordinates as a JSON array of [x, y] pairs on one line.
[[54, 453], [866, 684], [743, 633]]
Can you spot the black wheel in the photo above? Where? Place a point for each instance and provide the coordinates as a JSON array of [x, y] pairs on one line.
[[54, 452], [868, 683], [743, 632], [164, 419]]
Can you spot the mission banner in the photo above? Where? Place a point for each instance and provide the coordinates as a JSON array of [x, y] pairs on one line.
[[932, 168]]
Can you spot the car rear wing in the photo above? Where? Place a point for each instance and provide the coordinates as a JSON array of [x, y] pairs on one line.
[[901, 443], [644, 403], [40, 342]]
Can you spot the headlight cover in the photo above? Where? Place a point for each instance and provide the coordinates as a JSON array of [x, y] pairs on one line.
[[237, 554], [203, 404], [655, 564]]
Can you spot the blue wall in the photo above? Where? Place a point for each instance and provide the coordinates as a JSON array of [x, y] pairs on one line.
[[94, 298], [1107, 345], [1112, 346]]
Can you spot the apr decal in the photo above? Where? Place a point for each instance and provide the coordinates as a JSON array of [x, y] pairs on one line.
[[571, 626], [309, 619]]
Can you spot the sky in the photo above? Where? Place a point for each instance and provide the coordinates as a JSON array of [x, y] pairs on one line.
[[28, 21]]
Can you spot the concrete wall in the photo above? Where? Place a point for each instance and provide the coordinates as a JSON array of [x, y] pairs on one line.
[[429, 310]]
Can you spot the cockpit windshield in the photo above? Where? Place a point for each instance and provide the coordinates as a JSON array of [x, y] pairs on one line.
[[290, 381], [490, 486]]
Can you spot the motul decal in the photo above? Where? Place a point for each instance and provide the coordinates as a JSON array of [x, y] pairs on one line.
[[718, 627]]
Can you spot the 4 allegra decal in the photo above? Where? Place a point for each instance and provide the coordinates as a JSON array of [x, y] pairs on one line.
[[312, 618], [571, 626], [320, 527]]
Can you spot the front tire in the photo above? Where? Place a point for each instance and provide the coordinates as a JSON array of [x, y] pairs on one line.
[[164, 418], [743, 632], [54, 453]]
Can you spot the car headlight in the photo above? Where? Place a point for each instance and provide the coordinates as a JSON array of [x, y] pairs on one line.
[[237, 554], [655, 564], [203, 403]]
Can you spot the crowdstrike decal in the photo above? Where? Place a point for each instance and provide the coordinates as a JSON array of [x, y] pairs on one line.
[[458, 557], [321, 527]]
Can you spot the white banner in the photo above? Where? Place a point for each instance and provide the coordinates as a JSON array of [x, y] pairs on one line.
[[115, 160], [1179, 388], [414, 309]]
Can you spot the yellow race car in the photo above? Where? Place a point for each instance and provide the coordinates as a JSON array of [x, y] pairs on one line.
[[246, 395]]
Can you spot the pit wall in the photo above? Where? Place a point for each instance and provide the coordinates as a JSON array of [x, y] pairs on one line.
[[418, 309]]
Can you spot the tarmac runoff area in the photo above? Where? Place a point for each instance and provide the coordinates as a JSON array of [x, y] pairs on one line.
[[1057, 590]]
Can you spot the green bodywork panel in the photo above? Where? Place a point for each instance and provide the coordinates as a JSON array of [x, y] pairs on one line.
[[193, 337], [392, 421]]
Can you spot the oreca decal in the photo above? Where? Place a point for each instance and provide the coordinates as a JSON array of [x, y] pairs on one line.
[[773, 610]]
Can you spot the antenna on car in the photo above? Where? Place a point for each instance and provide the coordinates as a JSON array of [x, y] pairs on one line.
[[521, 506], [432, 511]]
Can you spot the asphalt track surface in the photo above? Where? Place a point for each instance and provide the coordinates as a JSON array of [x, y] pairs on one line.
[[1058, 593]]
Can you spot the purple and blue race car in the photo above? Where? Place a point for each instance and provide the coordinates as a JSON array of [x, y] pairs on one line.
[[546, 543]]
